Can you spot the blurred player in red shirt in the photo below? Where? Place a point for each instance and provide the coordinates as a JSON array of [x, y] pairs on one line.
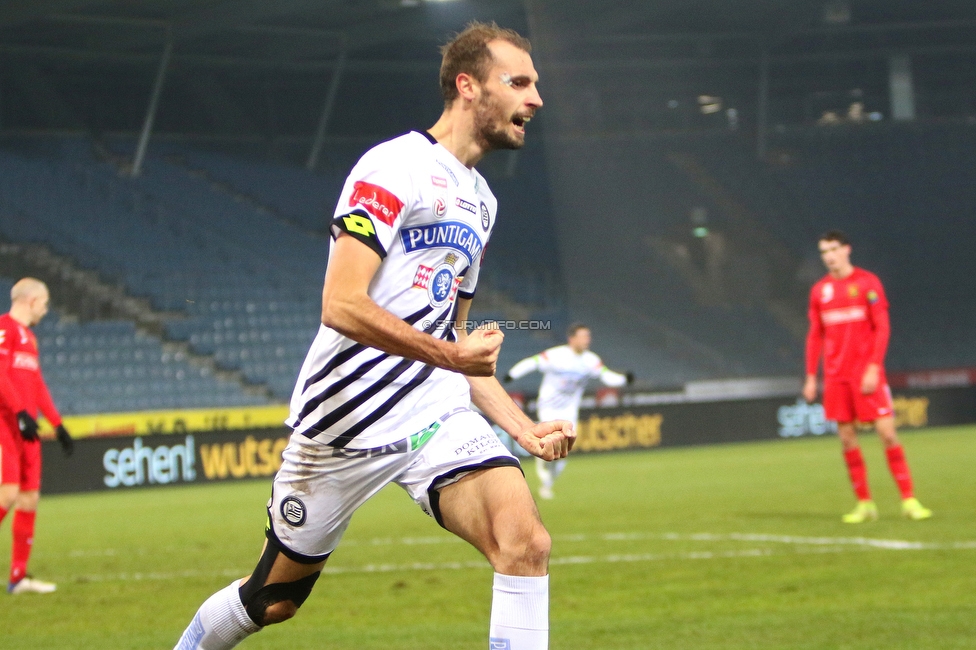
[[849, 325], [22, 394]]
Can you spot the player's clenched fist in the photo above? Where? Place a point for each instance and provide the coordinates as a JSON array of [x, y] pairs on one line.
[[549, 440], [477, 353]]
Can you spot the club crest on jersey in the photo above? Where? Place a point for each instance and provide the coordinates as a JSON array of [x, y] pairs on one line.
[[449, 234], [852, 291], [827, 292], [485, 217], [378, 201], [441, 283], [293, 510]]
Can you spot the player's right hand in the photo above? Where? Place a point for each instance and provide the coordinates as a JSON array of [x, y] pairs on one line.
[[548, 440], [27, 426], [810, 389], [477, 353]]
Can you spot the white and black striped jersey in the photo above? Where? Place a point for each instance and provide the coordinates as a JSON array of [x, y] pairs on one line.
[[429, 218], [564, 377]]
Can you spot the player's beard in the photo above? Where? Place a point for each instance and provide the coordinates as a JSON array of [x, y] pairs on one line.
[[488, 134]]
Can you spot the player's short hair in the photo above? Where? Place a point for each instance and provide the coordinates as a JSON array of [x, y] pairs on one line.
[[835, 235], [468, 52], [27, 288], [575, 327]]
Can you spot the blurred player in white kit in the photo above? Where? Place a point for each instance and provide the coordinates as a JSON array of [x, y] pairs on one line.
[[565, 371]]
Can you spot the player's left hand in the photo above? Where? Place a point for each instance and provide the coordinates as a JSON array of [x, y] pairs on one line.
[[548, 440], [869, 383], [65, 439]]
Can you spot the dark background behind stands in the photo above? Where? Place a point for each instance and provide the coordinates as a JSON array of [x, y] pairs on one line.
[[670, 193]]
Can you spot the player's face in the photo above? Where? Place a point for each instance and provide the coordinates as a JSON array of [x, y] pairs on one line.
[[509, 99], [836, 256], [580, 340], [38, 307]]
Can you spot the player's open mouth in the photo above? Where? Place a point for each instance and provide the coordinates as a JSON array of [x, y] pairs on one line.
[[520, 122]]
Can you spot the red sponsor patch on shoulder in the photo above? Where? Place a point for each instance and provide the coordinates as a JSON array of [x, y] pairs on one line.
[[378, 201]]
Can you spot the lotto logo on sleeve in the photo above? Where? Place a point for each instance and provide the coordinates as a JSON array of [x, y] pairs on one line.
[[359, 224], [379, 202]]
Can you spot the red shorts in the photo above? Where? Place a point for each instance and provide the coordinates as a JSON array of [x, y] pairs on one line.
[[843, 401], [20, 460]]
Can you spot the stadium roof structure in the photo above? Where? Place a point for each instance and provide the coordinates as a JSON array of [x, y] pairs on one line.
[[271, 69]]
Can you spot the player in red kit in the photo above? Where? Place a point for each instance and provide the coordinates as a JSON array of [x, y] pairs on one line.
[[22, 394], [849, 325]]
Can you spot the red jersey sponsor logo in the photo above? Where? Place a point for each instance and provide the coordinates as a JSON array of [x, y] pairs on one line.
[[827, 293], [844, 315], [437, 181], [26, 361], [379, 202]]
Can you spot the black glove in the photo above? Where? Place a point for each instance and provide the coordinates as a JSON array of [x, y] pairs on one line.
[[27, 426], [507, 378], [630, 377], [67, 443]]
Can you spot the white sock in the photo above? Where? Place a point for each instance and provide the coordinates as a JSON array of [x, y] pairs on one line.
[[220, 623], [519, 613], [542, 470]]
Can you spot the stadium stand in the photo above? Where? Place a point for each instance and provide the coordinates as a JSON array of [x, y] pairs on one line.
[[881, 183], [220, 245], [108, 366], [238, 284]]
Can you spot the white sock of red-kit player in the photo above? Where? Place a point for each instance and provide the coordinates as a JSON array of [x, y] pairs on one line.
[[519, 613], [220, 623]]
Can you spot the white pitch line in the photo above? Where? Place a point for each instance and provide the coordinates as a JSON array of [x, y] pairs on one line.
[[802, 545], [437, 566], [887, 544]]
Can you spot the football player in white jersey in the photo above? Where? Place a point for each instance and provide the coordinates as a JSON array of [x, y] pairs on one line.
[[386, 391], [565, 371]]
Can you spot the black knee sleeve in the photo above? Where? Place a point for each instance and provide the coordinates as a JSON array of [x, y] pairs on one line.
[[257, 596]]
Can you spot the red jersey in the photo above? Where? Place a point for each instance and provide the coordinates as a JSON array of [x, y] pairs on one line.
[[849, 324], [22, 386]]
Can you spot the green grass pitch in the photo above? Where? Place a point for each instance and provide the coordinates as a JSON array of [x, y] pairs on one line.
[[734, 546]]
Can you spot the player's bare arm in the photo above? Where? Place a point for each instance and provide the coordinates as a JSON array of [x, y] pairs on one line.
[[871, 379], [810, 388], [814, 348], [547, 440], [348, 309]]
